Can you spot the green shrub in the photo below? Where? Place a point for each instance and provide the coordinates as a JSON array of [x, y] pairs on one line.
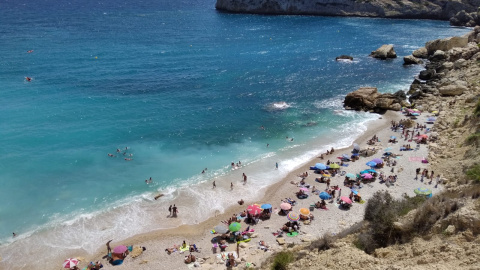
[[281, 260], [473, 138], [477, 107], [474, 173]]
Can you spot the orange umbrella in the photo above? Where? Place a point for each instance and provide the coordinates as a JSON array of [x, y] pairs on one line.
[[304, 211]]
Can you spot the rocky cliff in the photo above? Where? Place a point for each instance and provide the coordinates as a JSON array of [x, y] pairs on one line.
[[421, 9]]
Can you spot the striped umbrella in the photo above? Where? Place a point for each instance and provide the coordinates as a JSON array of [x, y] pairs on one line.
[[254, 209], [292, 216], [70, 262]]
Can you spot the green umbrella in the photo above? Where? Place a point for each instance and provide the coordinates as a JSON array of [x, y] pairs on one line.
[[423, 191], [235, 227]]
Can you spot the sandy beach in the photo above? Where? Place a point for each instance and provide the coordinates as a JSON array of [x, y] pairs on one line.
[[331, 221]]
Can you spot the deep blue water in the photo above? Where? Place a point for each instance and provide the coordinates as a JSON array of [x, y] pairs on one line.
[[181, 85]]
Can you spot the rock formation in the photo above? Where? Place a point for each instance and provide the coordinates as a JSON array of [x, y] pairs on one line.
[[411, 60], [368, 99], [464, 18], [384, 52], [344, 57], [421, 9]]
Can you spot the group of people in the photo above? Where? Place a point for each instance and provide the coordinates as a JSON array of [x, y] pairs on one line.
[[127, 157], [173, 210]]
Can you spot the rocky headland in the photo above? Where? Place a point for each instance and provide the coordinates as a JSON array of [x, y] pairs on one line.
[[438, 233], [422, 9]]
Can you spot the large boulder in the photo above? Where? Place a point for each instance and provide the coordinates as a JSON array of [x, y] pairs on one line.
[[361, 99], [368, 98], [452, 89], [438, 55], [445, 44], [426, 74], [421, 53], [384, 52], [411, 60]]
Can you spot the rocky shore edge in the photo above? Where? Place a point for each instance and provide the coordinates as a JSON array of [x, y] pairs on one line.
[[447, 227]]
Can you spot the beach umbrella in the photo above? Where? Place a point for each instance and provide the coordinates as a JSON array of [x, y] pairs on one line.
[[354, 191], [367, 176], [324, 195], [254, 209], [356, 147], [221, 229], [70, 262], [350, 175], [120, 249], [422, 191], [285, 206], [346, 200], [320, 166], [334, 166], [292, 216], [304, 211], [377, 160], [235, 227], [266, 206], [423, 136], [415, 114], [371, 164], [431, 119]]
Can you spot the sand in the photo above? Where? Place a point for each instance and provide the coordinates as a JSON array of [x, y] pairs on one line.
[[329, 221]]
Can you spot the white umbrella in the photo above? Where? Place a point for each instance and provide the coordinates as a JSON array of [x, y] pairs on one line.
[[70, 262]]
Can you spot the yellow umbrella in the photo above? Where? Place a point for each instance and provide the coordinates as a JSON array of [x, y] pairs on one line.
[[334, 166]]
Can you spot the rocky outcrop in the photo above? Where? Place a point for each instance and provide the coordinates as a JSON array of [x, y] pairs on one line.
[[344, 57], [445, 44], [411, 60], [421, 9], [368, 99], [420, 53], [464, 18], [384, 52]]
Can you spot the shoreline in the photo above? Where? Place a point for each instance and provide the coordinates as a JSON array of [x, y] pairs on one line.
[[157, 241]]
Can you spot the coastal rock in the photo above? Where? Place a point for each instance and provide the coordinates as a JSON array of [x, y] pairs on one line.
[[447, 66], [420, 53], [450, 230], [452, 90], [384, 52], [426, 74], [464, 18], [368, 99], [411, 60], [445, 44], [438, 55], [460, 63], [344, 57]]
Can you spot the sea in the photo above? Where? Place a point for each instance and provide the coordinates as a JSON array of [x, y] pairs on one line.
[[119, 92]]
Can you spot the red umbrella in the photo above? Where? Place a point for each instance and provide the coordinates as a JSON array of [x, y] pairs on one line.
[[286, 206], [254, 209], [70, 262], [346, 200], [120, 249]]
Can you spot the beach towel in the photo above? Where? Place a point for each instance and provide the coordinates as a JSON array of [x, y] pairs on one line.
[[292, 234], [362, 201], [183, 249], [415, 159], [345, 164]]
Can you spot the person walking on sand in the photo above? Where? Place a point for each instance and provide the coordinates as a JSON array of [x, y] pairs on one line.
[[244, 178], [214, 186], [231, 185], [170, 210], [276, 165]]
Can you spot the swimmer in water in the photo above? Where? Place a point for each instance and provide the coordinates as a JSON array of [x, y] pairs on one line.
[[28, 79], [30, 51], [128, 159], [110, 155]]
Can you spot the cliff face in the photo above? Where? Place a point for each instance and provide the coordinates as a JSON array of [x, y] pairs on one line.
[[421, 9]]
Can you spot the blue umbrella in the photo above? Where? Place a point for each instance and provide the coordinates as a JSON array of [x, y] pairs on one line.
[[371, 164], [266, 206], [371, 171], [320, 166], [355, 191], [346, 156], [324, 196]]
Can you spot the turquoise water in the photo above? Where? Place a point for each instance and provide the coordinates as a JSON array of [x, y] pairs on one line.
[[184, 88]]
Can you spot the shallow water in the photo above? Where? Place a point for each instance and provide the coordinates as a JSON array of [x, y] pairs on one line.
[[184, 88]]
